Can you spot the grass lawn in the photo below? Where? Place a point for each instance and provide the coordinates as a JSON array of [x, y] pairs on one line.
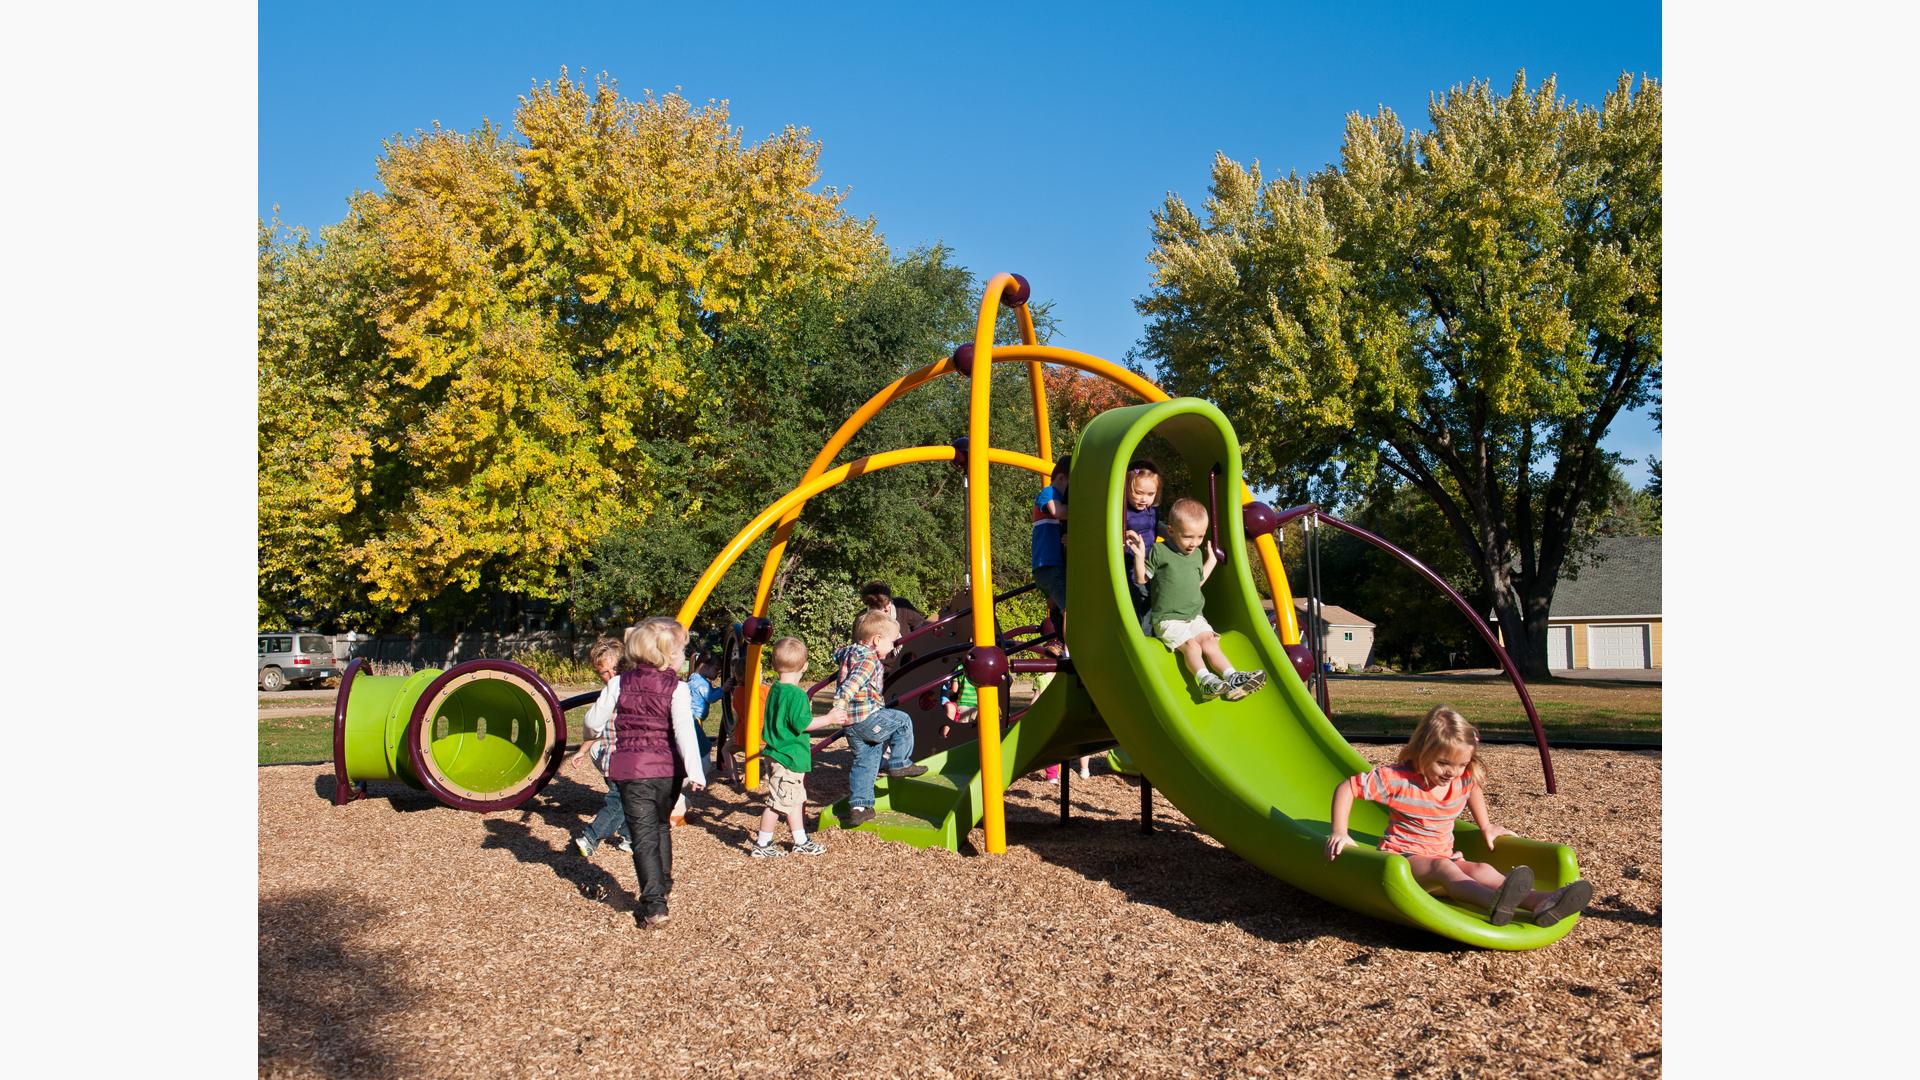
[[1571, 710]]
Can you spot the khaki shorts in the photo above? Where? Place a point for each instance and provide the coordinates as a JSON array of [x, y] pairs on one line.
[[1176, 633], [786, 790]]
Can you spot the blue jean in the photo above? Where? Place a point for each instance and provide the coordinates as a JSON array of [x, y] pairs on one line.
[[610, 821], [888, 729]]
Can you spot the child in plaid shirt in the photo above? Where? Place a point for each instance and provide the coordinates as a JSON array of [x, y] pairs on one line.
[[612, 818], [859, 702]]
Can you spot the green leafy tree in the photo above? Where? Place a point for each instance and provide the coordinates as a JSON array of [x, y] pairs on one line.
[[516, 335], [1466, 310]]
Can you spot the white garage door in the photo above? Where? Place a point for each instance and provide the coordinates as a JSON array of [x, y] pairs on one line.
[[1559, 648], [1617, 646]]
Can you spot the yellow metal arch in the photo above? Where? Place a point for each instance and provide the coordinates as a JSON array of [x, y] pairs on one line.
[[790, 504], [782, 514]]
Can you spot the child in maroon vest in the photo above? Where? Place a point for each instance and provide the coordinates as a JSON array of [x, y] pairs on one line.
[[654, 755]]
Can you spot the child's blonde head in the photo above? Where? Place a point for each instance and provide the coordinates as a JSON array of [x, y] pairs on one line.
[[603, 648], [1143, 481], [875, 623], [656, 642], [789, 654], [1443, 730], [1188, 513]]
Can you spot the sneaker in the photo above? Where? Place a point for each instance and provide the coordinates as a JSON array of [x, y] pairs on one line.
[[1085, 772], [1515, 889], [906, 770], [811, 847], [768, 851], [1212, 686], [1251, 680], [580, 845], [859, 816], [623, 844], [1568, 901], [652, 921]]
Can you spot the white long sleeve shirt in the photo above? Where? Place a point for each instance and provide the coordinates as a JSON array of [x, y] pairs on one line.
[[600, 714]]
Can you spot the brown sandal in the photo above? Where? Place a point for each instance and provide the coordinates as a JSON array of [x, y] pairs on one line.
[[1571, 901], [1515, 889]]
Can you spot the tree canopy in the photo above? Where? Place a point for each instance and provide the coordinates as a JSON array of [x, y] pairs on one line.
[[1465, 311], [473, 377]]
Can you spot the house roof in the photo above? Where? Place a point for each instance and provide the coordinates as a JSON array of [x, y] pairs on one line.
[[1331, 614], [1620, 576]]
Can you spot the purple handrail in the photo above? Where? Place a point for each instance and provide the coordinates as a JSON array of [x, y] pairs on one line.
[[1479, 625]]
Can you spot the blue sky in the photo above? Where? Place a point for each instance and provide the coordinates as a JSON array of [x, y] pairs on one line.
[[1033, 138]]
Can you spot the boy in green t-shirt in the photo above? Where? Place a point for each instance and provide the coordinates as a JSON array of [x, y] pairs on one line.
[[789, 717], [1176, 570]]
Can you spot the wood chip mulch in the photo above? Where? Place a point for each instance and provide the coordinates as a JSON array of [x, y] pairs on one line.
[[401, 938]]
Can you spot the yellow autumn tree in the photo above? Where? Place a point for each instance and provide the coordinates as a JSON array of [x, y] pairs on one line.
[[537, 308]]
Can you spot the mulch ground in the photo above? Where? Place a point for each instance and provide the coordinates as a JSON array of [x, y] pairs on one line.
[[401, 938]]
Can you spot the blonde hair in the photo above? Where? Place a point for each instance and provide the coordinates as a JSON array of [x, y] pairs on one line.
[[1188, 512], [873, 622], [606, 646], [654, 641], [1145, 475], [789, 654], [1442, 730]]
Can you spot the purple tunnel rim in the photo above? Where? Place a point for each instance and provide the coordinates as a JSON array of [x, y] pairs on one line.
[[343, 790], [429, 775]]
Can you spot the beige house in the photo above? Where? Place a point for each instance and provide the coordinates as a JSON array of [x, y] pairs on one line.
[[1606, 614], [1346, 639]]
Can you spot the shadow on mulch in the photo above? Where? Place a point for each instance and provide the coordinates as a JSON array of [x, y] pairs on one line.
[[311, 973], [589, 880], [399, 796]]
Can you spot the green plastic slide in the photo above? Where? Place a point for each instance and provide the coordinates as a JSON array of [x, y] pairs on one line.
[[939, 808], [1256, 774]]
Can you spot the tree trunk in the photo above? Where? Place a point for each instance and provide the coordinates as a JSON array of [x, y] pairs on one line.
[[1523, 622]]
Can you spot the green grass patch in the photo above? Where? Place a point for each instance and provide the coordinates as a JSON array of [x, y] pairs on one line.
[[296, 738]]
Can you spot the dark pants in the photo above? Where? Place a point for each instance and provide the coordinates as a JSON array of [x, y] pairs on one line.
[[648, 802]]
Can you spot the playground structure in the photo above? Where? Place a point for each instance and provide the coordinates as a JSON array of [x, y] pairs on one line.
[[1256, 774]]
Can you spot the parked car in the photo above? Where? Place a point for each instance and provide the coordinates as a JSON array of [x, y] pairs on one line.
[[293, 659]]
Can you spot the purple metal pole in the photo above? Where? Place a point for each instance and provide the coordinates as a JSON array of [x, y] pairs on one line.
[[1479, 626]]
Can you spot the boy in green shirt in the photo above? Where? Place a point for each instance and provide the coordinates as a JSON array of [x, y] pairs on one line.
[[1173, 573], [789, 717]]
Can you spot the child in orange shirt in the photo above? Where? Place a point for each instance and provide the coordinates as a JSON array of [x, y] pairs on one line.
[[1438, 775]]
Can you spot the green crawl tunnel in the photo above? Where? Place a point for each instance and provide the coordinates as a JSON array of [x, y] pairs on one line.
[[484, 735]]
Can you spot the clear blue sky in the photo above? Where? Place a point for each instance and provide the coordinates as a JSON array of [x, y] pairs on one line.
[[1032, 138]]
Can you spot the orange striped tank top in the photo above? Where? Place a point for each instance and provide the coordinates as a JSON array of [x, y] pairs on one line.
[[1419, 820]]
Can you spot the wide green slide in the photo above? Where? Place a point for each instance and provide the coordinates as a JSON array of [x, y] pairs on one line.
[[939, 808], [1256, 774]]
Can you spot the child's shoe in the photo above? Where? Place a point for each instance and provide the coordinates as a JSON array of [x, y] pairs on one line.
[[811, 847], [1568, 901], [905, 770], [1085, 772], [859, 816], [580, 844], [1515, 889], [769, 851], [1211, 686], [623, 844], [1251, 681]]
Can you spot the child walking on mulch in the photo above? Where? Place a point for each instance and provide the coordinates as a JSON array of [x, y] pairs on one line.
[[654, 752], [789, 717], [1437, 775], [612, 818], [1173, 573]]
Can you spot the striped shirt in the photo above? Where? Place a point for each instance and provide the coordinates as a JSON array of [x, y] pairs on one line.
[[1419, 820]]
